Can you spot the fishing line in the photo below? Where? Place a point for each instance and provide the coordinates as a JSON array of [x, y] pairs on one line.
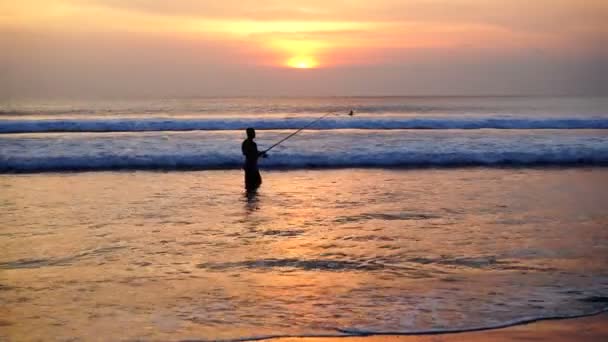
[[303, 128]]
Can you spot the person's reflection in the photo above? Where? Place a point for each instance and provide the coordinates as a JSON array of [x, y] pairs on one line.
[[251, 202], [251, 219]]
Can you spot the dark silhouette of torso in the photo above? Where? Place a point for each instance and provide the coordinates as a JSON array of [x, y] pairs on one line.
[[253, 179]]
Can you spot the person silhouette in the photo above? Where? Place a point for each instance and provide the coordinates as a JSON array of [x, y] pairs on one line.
[[253, 179]]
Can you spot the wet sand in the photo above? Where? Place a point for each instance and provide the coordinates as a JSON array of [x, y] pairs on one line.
[[593, 328]]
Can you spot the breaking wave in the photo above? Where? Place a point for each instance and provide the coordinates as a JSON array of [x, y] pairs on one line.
[[272, 123], [288, 161], [353, 332]]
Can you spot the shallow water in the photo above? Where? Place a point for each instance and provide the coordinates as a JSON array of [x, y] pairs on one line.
[[178, 255]]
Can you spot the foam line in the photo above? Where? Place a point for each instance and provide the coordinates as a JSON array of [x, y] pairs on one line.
[[232, 123]]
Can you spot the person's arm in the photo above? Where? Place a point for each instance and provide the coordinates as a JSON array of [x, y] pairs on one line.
[[256, 152]]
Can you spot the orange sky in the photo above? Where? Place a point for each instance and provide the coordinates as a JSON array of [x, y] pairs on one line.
[[102, 36]]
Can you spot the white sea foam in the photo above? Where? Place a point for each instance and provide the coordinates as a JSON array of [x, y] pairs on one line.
[[317, 149], [273, 123]]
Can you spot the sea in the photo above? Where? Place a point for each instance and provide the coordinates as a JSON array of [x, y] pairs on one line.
[[128, 219]]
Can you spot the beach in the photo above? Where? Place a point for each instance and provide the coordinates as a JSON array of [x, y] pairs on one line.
[[358, 171]]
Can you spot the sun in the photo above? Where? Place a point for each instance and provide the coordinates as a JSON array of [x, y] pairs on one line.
[[302, 62]]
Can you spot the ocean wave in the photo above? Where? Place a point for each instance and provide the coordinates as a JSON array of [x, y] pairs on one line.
[[520, 321], [295, 161], [269, 123], [346, 332], [373, 105]]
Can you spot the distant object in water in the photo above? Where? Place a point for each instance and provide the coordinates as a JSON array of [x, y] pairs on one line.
[[253, 179], [351, 113]]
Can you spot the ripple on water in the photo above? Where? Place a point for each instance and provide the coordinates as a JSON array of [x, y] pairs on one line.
[[307, 265], [6, 287], [595, 299], [284, 233], [363, 238], [60, 261], [404, 216], [485, 262]]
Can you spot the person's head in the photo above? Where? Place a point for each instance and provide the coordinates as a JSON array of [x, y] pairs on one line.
[[250, 133]]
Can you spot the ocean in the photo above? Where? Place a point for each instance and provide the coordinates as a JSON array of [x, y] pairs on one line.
[[128, 220]]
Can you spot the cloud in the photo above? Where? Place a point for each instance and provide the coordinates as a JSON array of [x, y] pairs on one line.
[[236, 47], [538, 15]]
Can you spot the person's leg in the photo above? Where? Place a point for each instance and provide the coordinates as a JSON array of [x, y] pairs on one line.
[[249, 179], [258, 178]]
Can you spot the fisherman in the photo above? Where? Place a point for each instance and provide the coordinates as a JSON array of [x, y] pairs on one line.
[[253, 180]]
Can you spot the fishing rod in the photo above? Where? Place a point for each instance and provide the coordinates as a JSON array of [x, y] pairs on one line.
[[301, 129]]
